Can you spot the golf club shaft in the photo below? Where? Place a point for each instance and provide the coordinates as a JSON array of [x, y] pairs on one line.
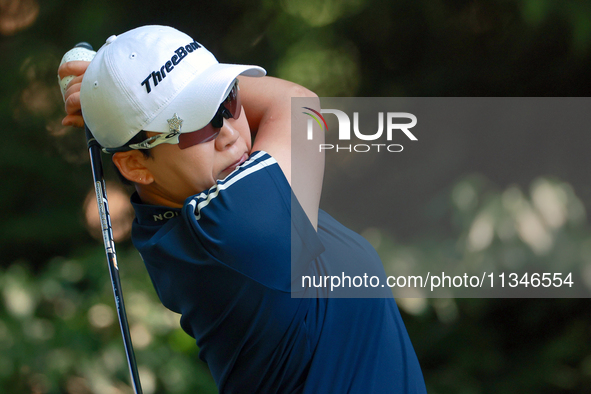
[[94, 150]]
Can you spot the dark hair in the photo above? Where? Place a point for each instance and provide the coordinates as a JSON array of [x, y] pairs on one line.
[[139, 137]]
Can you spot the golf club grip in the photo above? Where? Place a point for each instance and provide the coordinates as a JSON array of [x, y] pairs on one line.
[[83, 51]]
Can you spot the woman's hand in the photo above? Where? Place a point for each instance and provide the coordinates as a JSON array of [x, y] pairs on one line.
[[72, 95]]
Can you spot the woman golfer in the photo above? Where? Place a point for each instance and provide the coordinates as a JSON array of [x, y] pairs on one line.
[[225, 239]]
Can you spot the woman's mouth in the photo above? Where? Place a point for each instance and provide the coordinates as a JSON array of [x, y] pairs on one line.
[[233, 166]]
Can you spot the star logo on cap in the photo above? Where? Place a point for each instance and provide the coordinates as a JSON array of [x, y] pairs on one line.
[[175, 123]]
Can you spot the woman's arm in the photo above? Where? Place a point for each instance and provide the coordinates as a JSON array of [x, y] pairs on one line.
[[267, 104]]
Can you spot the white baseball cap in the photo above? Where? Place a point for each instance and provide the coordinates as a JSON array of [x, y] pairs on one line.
[[140, 79]]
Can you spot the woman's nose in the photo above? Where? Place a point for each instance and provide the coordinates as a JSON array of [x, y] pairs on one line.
[[227, 136]]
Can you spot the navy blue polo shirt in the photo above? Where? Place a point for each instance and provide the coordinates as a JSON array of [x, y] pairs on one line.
[[224, 262]]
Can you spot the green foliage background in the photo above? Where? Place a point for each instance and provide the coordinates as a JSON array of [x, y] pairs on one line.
[[58, 328]]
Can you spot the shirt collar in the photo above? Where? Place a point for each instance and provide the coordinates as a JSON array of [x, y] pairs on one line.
[[152, 215]]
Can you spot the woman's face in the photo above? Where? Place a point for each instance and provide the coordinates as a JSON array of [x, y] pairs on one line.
[[180, 173]]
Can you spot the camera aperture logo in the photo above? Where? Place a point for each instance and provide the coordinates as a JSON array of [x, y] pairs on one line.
[[392, 125]]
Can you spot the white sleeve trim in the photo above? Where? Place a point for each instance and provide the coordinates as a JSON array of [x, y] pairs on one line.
[[215, 190]]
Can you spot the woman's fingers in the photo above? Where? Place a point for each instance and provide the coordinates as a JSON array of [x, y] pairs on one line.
[[74, 120], [72, 89], [75, 68], [72, 105]]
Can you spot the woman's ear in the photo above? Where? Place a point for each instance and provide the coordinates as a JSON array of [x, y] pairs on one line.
[[131, 165]]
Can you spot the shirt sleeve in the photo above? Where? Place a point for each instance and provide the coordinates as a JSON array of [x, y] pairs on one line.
[[252, 223]]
